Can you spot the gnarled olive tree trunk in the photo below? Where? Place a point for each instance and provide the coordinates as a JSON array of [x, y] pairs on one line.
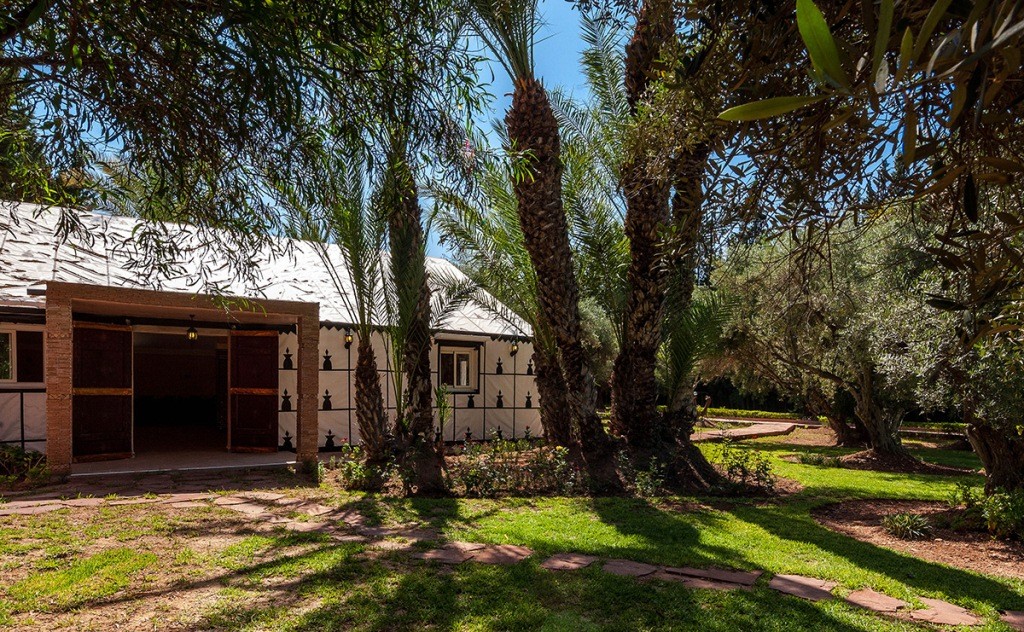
[[882, 426], [1002, 454], [533, 133]]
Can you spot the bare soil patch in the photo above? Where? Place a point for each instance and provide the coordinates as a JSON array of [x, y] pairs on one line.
[[869, 460], [820, 437], [969, 550]]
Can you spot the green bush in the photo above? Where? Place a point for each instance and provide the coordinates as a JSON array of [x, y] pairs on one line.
[[907, 526], [514, 468], [814, 458], [18, 465], [738, 412], [744, 466], [1004, 513]]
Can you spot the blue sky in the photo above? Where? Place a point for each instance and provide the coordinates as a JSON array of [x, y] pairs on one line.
[[557, 60]]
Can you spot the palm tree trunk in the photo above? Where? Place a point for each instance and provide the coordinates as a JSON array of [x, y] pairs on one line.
[[554, 404], [369, 404], [634, 388], [415, 435], [533, 130]]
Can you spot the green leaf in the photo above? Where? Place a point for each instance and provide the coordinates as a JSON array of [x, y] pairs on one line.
[[768, 108], [819, 41], [938, 10], [906, 50], [881, 37]]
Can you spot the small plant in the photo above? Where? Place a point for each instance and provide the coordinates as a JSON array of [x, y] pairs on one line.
[[1004, 514], [907, 526], [514, 468], [744, 466], [822, 460], [18, 465], [966, 496], [649, 482]]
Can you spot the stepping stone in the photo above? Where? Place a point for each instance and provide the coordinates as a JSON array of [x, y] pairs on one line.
[[347, 537], [29, 511], [876, 601], [265, 496], [567, 562], [313, 509], [225, 501], [379, 532], [250, 509], [695, 582], [504, 554], [188, 497], [1014, 619], [288, 502], [743, 578], [467, 547], [943, 613], [803, 587], [446, 555], [188, 504], [84, 502], [133, 501], [351, 517], [392, 545], [308, 527], [628, 568]]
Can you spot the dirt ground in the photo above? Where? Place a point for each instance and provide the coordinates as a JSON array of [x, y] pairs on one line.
[[969, 550]]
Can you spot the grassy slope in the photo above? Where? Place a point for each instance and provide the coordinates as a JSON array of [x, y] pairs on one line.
[[337, 590]]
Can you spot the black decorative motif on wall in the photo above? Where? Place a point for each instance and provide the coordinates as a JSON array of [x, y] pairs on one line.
[[471, 403], [286, 402], [529, 400], [287, 365], [329, 441], [498, 370], [327, 400], [529, 367], [500, 403], [328, 365], [287, 445]]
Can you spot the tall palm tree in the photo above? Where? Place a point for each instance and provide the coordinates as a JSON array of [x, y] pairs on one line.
[[508, 27], [346, 230], [483, 231]]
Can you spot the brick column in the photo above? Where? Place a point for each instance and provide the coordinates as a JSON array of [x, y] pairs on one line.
[[58, 382], [308, 385]]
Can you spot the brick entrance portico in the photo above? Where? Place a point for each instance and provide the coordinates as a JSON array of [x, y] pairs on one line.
[[63, 300]]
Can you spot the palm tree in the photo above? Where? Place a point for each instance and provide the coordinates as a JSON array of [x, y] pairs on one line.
[[483, 231], [341, 221], [508, 27]]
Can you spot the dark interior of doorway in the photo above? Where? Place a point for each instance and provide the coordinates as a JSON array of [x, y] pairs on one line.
[[180, 392]]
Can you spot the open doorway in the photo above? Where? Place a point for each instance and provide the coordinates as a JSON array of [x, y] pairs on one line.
[[181, 391]]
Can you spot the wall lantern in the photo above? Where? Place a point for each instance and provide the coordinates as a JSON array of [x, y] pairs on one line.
[[348, 338], [192, 334], [513, 348]]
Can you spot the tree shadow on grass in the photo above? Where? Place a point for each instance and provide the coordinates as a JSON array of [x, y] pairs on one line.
[[525, 597], [920, 575]]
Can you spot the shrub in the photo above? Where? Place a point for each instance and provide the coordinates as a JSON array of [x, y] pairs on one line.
[[814, 458], [17, 465], [966, 496], [744, 466], [514, 468], [1004, 513], [907, 526]]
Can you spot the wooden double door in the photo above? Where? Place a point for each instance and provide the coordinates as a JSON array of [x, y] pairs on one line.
[[102, 391]]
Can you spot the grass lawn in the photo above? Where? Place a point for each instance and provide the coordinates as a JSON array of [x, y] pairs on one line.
[[153, 567]]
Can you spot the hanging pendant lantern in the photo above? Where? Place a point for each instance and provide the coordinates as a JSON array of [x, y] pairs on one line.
[[192, 334]]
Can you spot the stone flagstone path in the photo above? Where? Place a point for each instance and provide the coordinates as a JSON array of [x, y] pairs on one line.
[[349, 525]]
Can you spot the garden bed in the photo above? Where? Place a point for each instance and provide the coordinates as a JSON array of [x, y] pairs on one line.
[[967, 549]]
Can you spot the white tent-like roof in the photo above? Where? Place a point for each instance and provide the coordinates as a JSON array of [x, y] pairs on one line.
[[31, 254]]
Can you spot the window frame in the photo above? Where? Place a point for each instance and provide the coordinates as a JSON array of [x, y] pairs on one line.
[[13, 334], [455, 347]]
